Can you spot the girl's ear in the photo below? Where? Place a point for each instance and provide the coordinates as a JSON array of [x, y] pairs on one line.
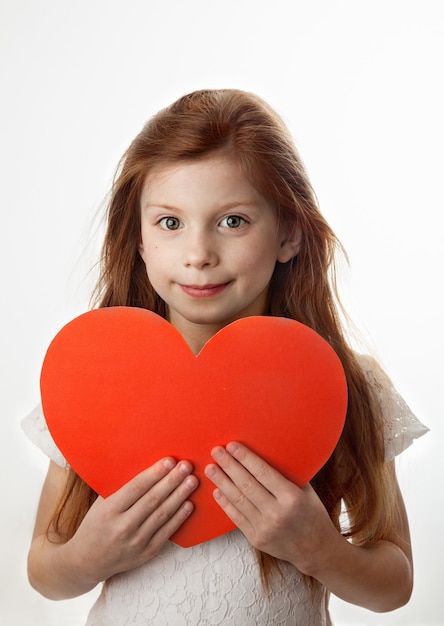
[[290, 245]]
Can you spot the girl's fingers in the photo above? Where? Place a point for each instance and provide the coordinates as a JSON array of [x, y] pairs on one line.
[[163, 509], [160, 504], [264, 473], [234, 503], [158, 535], [150, 487], [257, 481], [240, 495]]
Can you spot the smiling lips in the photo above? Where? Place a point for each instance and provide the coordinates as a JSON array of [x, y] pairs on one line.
[[204, 291]]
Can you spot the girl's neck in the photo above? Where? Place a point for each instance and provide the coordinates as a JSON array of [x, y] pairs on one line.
[[197, 335]]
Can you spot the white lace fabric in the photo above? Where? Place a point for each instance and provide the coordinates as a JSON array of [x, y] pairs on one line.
[[213, 583], [35, 428], [401, 426], [218, 582]]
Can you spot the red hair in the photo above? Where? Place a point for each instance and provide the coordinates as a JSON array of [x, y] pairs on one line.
[[243, 127]]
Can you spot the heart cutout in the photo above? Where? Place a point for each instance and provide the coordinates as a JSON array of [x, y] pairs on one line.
[[121, 389]]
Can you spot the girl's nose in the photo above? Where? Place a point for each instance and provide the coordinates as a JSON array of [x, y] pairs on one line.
[[199, 250]]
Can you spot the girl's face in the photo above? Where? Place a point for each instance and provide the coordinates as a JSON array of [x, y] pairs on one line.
[[210, 243]]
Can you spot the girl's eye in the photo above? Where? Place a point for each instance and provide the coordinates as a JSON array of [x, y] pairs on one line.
[[232, 221], [169, 223]]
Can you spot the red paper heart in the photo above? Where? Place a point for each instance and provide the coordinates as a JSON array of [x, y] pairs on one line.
[[121, 389]]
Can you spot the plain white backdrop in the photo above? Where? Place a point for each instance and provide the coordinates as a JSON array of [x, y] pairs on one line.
[[359, 83]]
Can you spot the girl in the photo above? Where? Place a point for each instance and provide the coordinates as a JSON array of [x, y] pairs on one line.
[[212, 218]]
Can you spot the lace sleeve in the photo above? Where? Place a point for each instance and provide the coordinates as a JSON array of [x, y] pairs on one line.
[[35, 428], [401, 426]]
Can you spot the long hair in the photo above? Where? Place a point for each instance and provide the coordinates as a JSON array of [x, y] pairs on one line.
[[242, 127]]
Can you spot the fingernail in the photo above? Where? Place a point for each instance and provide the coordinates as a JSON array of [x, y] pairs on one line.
[[187, 507], [217, 453], [191, 482], [233, 447], [185, 468], [210, 470], [169, 463]]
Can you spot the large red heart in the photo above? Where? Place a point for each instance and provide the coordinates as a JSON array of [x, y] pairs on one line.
[[120, 389]]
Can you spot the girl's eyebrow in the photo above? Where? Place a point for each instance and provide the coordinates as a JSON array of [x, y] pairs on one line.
[[158, 205], [238, 203], [224, 207]]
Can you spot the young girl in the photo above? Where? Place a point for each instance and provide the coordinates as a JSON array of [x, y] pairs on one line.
[[211, 219]]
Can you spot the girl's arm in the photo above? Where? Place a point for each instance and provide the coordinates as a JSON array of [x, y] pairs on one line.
[[290, 523], [117, 534]]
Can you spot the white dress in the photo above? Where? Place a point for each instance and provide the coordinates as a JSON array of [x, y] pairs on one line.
[[217, 582]]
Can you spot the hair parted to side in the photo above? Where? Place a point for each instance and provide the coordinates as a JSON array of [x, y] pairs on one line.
[[243, 127]]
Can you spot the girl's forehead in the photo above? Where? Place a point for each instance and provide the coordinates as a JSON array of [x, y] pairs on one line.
[[163, 170], [218, 170]]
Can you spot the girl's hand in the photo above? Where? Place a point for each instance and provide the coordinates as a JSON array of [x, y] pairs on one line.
[[130, 526], [275, 515]]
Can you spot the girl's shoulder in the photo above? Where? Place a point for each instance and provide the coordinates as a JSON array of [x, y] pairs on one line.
[[401, 426]]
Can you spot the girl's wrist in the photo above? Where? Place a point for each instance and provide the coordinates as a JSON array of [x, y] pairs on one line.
[[75, 569], [324, 556]]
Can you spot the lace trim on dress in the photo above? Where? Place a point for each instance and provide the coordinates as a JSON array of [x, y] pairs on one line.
[[401, 426], [35, 428]]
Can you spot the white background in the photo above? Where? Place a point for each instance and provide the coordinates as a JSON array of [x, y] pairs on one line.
[[360, 85]]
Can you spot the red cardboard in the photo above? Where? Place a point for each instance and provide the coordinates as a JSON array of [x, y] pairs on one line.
[[121, 389]]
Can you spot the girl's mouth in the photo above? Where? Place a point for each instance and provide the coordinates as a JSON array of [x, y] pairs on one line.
[[204, 291]]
